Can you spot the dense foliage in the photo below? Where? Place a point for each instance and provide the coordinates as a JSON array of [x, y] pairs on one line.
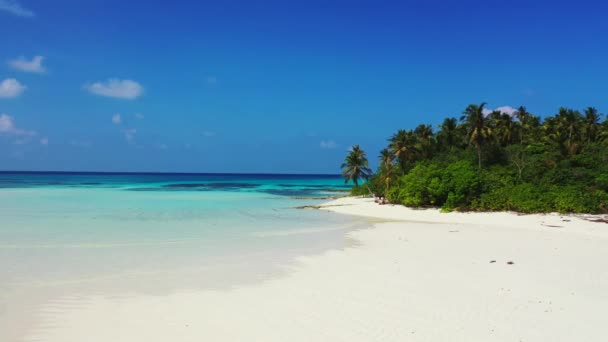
[[498, 161]]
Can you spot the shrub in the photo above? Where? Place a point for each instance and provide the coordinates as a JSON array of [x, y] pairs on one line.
[[525, 197], [431, 184], [529, 198], [602, 181], [421, 186], [578, 200], [360, 190], [461, 182]]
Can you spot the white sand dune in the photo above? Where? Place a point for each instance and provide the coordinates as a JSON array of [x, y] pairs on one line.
[[426, 276]]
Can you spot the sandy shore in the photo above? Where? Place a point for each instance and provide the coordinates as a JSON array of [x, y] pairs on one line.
[[419, 275]]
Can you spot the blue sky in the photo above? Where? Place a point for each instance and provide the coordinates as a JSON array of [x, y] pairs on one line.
[[274, 86]]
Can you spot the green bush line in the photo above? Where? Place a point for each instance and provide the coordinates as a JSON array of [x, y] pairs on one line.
[[495, 162]]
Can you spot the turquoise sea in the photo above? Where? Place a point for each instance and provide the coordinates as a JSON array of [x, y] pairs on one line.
[[68, 234]]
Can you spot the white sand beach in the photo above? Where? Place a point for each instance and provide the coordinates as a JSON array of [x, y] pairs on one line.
[[418, 275]]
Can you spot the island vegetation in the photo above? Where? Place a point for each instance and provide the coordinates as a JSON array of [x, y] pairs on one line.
[[493, 161]]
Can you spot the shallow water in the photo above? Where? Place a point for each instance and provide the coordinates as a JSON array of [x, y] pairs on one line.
[[65, 235]]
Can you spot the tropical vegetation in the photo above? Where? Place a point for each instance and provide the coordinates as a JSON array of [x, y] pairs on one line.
[[492, 160], [356, 166]]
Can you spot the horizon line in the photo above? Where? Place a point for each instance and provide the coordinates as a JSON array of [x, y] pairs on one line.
[[171, 173]]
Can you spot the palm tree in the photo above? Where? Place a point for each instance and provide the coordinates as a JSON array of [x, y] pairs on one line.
[[569, 122], [477, 129], [402, 147], [592, 124], [448, 134], [528, 124], [386, 157], [386, 167], [424, 140], [564, 130], [506, 129], [552, 133], [355, 166], [522, 113]]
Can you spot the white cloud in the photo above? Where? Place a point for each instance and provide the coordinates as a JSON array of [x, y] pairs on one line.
[[122, 89], [507, 110], [13, 7], [328, 144], [35, 65], [116, 119], [139, 116], [6, 123], [8, 127], [44, 141], [504, 109], [10, 87], [129, 134], [209, 134]]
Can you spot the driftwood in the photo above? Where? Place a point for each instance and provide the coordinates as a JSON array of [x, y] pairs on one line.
[[308, 207], [552, 226], [318, 206]]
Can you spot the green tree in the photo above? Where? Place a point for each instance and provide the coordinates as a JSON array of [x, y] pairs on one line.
[[477, 129], [564, 130], [424, 140], [356, 166], [504, 128], [559, 164], [570, 122], [402, 146], [528, 125], [448, 135], [386, 169], [591, 124]]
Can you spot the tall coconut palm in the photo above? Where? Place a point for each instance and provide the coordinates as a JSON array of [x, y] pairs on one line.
[[386, 157], [552, 133], [355, 166], [387, 160], [477, 129], [569, 122], [448, 134], [424, 140], [506, 129], [522, 113], [402, 145], [592, 124], [564, 130], [528, 124]]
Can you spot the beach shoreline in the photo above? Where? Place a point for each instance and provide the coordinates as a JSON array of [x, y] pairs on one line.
[[417, 275], [366, 207]]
